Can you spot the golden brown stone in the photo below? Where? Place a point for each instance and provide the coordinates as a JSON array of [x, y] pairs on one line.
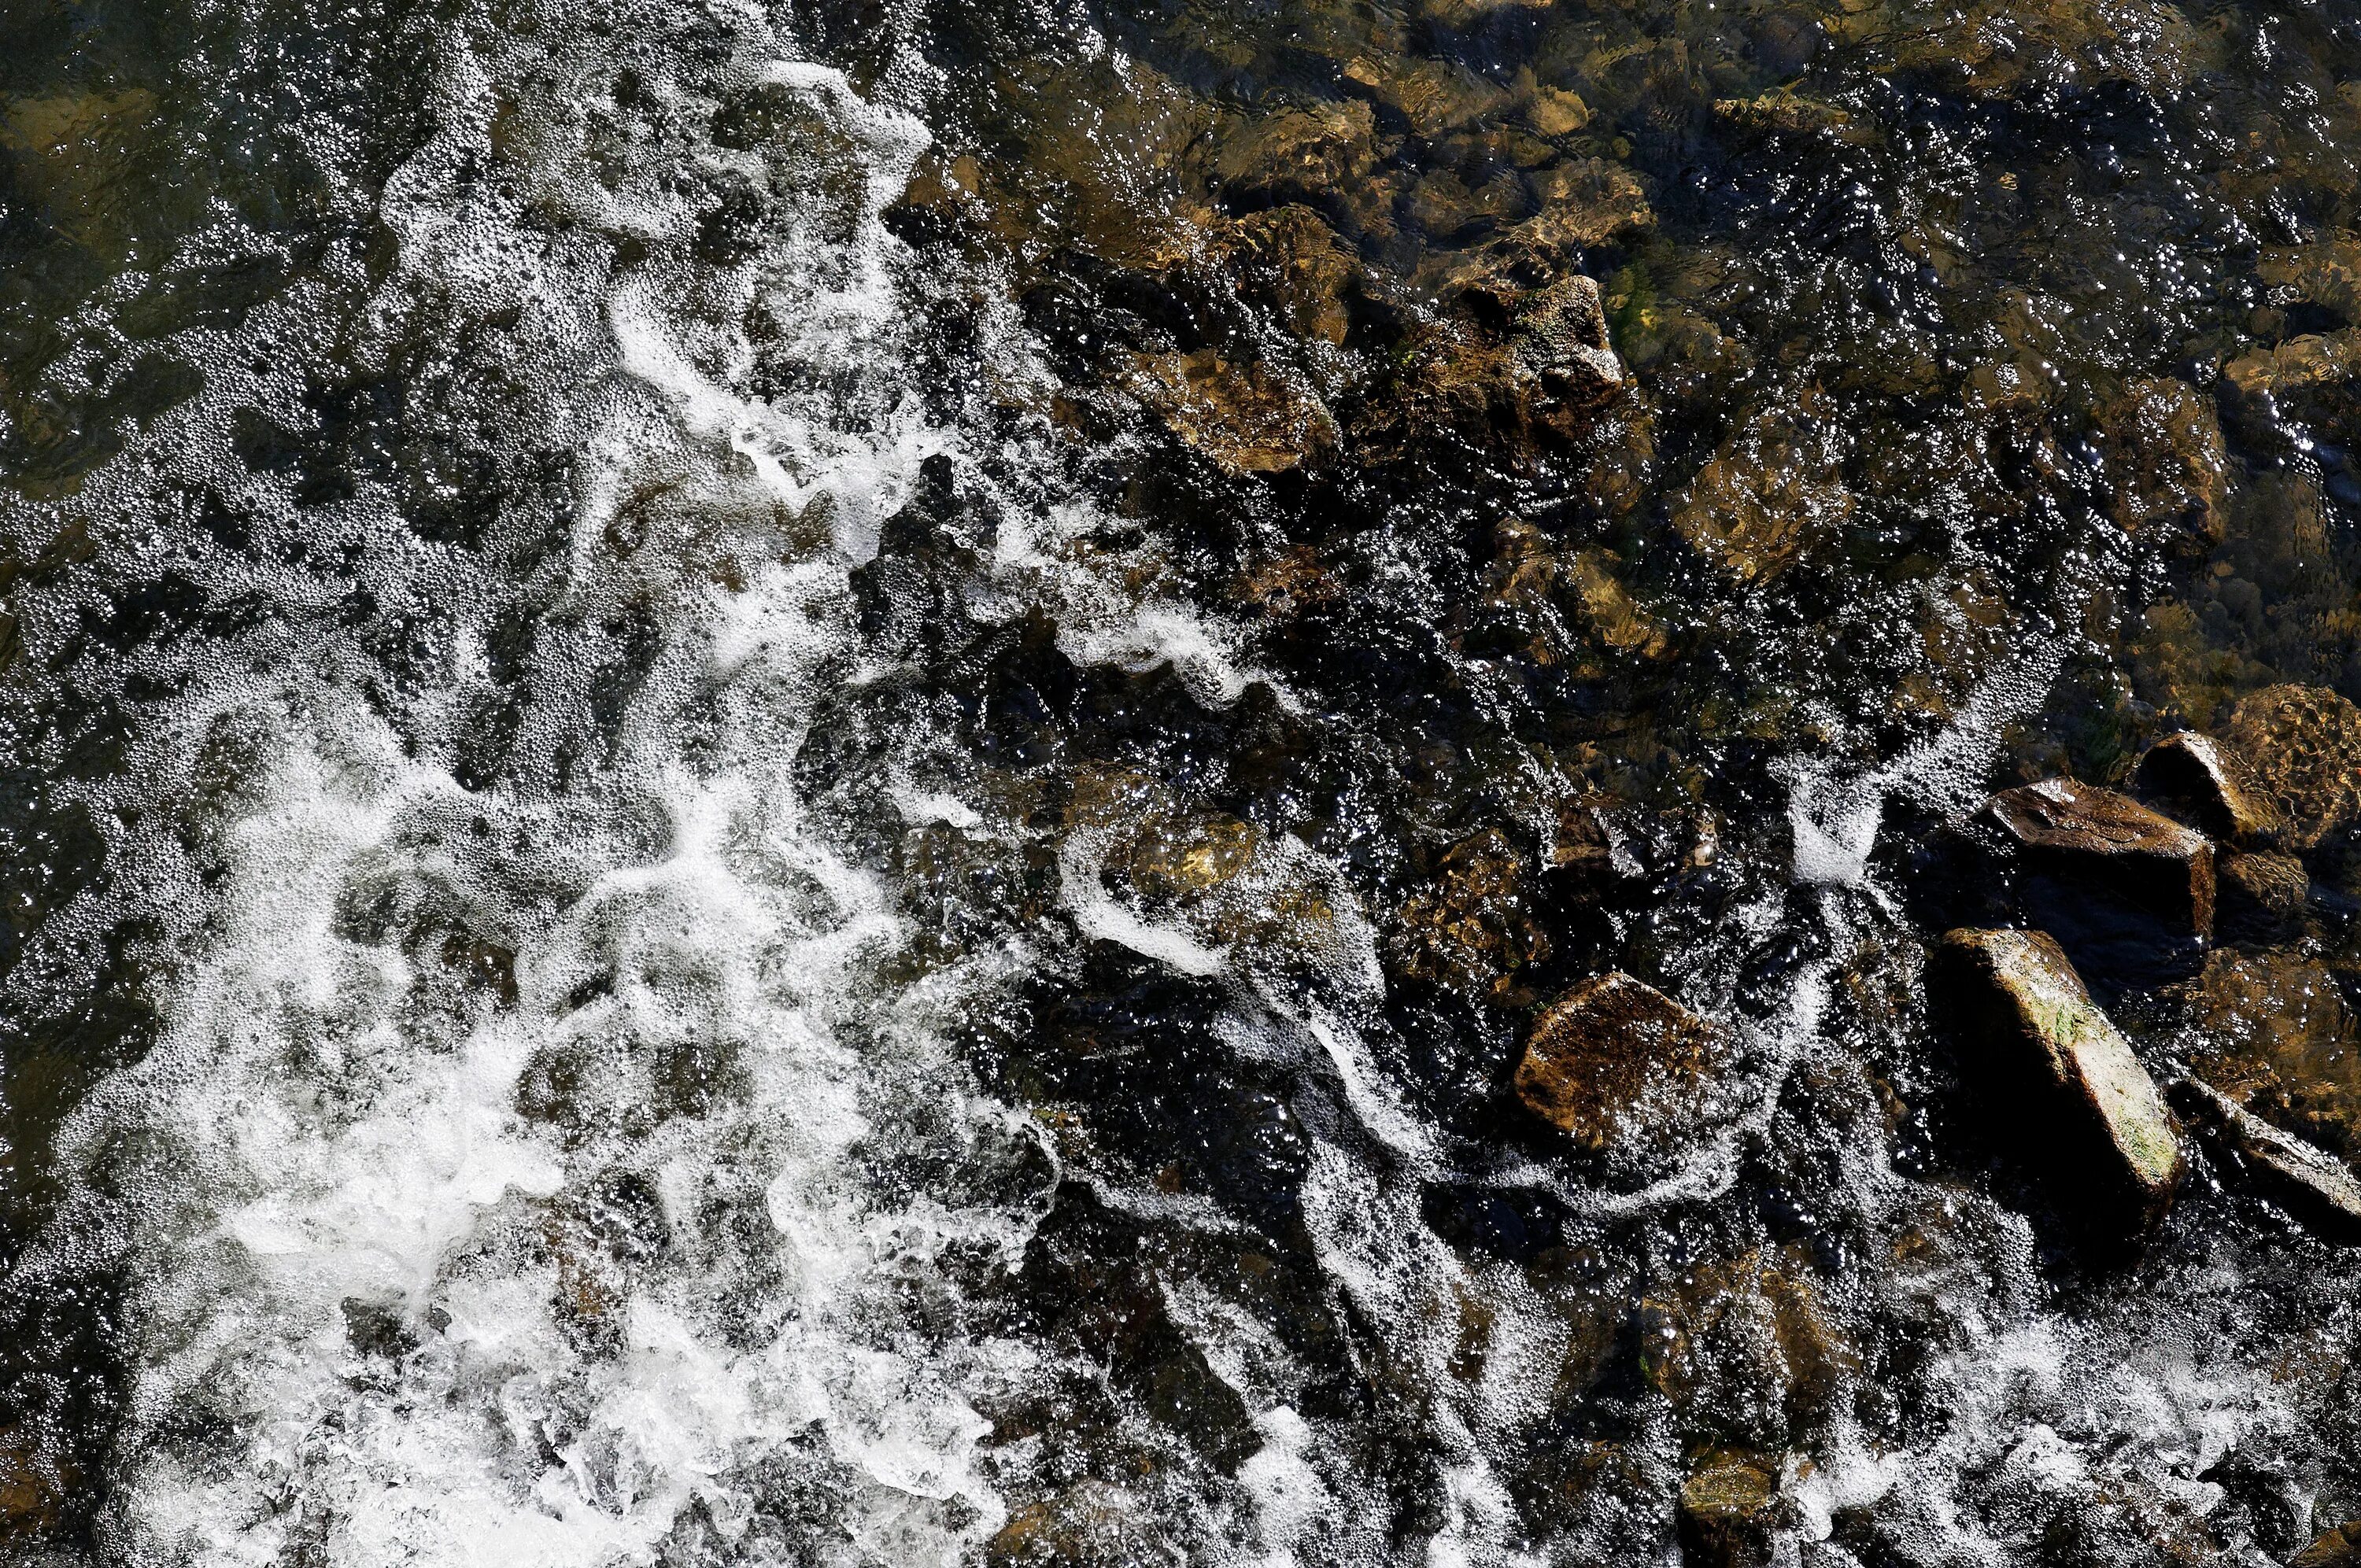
[[1614, 1058], [2303, 746]]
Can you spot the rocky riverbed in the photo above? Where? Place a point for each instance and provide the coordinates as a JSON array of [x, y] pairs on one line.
[[1464, 782]]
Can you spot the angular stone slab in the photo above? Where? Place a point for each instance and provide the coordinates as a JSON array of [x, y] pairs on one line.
[[1614, 1058], [2113, 842], [2310, 1184], [2200, 775], [2049, 1049]]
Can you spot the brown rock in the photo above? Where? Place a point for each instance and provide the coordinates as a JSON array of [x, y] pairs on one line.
[[1312, 155], [1732, 1511], [2327, 273], [1561, 342], [1252, 417], [29, 1490], [2303, 746], [1446, 207], [2299, 365], [1433, 95], [1290, 258], [2090, 1108], [1781, 110], [1592, 200], [1471, 928], [1615, 1061], [1554, 112], [2097, 835], [2275, 1034], [2310, 1184], [2197, 774], [1745, 1348], [2338, 1548], [1767, 494], [1088, 1525], [2172, 469]]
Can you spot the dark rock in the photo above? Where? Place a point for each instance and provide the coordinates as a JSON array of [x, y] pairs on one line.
[[2196, 774], [2303, 746], [2260, 898], [1732, 1511], [1615, 1061], [2098, 836], [2086, 1105], [2310, 1184]]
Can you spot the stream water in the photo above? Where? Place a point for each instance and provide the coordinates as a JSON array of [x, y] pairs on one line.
[[787, 784]]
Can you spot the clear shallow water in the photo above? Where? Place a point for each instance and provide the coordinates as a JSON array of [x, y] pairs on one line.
[[775, 797]]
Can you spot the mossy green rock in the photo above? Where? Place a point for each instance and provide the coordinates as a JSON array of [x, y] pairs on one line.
[[2031, 1026]]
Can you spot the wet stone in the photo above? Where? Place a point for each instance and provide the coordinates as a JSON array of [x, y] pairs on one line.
[[2276, 1034], [1320, 156], [1089, 1524], [2303, 745], [1732, 1511], [2110, 841], [2338, 1548], [2174, 471], [2204, 779], [2030, 1030], [2310, 1184], [1562, 341], [1471, 928], [1616, 1062], [1251, 417]]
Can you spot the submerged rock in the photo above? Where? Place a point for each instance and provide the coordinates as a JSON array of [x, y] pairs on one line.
[[1771, 491], [2112, 841], [2303, 745], [2034, 1033], [1746, 1349], [1251, 417], [2311, 1184], [1732, 1511], [1472, 928], [2197, 774], [2173, 470], [2260, 898], [2338, 1548], [1088, 1525], [1316, 156], [2276, 1034], [1615, 1061]]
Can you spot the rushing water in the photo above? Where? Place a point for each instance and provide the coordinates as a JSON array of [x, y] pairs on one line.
[[784, 784]]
